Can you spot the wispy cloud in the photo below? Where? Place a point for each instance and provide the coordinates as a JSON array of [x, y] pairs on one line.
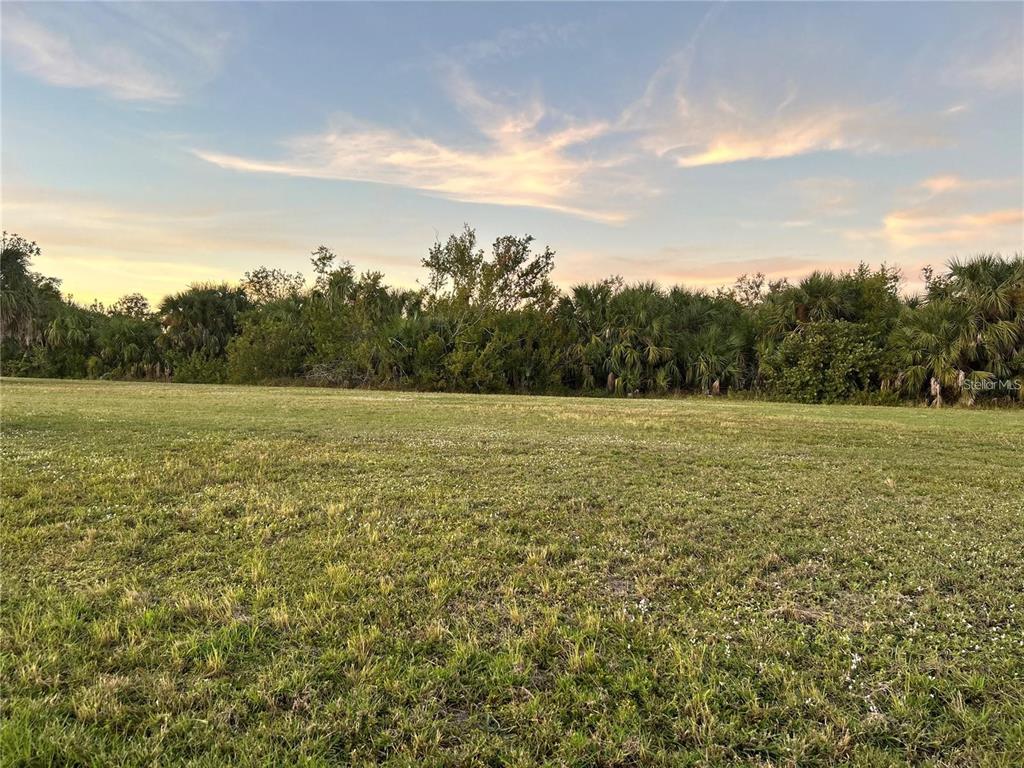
[[527, 156], [820, 203], [55, 59], [61, 218], [516, 41], [728, 129], [937, 185], [131, 53], [750, 136], [944, 210], [913, 228], [944, 184], [694, 113], [525, 153], [995, 63], [827, 196]]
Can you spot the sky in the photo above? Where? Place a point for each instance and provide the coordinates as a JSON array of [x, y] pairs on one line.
[[149, 146]]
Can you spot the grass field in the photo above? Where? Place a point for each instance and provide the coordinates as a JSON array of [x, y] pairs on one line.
[[211, 575]]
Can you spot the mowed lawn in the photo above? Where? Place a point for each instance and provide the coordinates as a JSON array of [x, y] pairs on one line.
[[223, 575]]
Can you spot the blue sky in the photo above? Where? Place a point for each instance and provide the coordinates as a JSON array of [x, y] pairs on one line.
[[148, 146]]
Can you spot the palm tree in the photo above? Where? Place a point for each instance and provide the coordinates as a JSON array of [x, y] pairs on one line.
[[19, 301], [201, 320], [128, 346], [712, 337], [714, 358], [641, 354], [588, 313], [69, 330], [819, 296], [993, 285], [970, 328], [992, 290], [933, 344]]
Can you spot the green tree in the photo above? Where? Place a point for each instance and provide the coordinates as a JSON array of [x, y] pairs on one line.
[[825, 362], [587, 315], [638, 332], [265, 285], [969, 331], [273, 344], [69, 344], [133, 305], [127, 344], [197, 325], [514, 276], [19, 300]]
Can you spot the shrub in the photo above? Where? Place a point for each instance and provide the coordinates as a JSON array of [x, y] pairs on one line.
[[824, 362], [273, 345], [201, 368]]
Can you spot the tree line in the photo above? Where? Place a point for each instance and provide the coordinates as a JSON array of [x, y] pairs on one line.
[[491, 320]]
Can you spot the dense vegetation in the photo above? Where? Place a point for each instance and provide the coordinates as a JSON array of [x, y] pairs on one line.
[[210, 575], [494, 322]]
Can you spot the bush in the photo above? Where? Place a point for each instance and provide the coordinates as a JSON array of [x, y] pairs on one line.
[[273, 345], [429, 362], [201, 368], [824, 362]]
